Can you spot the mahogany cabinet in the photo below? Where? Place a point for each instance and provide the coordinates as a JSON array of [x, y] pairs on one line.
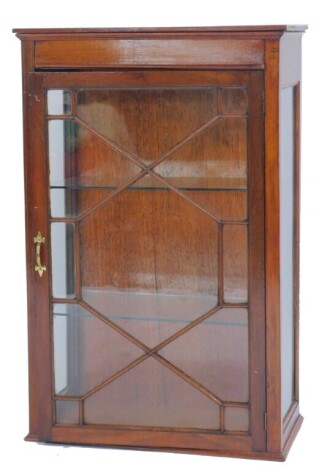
[[162, 215]]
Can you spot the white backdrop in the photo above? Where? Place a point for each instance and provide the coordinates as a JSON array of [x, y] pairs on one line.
[[15, 453]]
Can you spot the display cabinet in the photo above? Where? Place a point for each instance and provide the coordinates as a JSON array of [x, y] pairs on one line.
[[162, 215]]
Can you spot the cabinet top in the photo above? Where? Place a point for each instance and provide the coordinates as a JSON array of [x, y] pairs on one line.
[[162, 31]]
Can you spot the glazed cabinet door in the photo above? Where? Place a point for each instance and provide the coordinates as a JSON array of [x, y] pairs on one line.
[[150, 313]]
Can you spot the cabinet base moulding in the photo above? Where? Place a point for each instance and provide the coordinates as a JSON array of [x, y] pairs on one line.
[[280, 456], [31, 438]]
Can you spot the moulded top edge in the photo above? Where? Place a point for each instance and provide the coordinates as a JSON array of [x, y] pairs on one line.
[[202, 29]]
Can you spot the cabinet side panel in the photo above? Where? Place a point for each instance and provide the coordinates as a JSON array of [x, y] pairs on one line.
[[287, 119], [272, 245], [290, 77]]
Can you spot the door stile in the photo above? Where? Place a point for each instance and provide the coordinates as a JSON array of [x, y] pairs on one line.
[[257, 351], [37, 221]]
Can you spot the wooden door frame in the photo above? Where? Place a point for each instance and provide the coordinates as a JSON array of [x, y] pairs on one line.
[[40, 318]]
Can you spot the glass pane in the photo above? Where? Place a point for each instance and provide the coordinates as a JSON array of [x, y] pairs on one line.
[[287, 245], [218, 356], [150, 317], [147, 122], [148, 255], [224, 204], [86, 350], [234, 101], [60, 339], [214, 159], [209, 164], [67, 202], [62, 255], [151, 264], [79, 159], [236, 419], [165, 400], [235, 248], [66, 412], [59, 102]]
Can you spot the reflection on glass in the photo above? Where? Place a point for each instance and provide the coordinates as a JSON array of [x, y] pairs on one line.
[[66, 412], [218, 356], [235, 248], [86, 350], [62, 255], [287, 151], [151, 395], [59, 102], [236, 419]]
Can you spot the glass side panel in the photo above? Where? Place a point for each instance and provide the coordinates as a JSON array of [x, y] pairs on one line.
[[235, 249], [223, 337], [86, 350], [287, 151], [164, 401], [59, 102], [62, 256]]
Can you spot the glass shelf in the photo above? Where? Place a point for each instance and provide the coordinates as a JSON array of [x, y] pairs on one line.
[[186, 184]]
